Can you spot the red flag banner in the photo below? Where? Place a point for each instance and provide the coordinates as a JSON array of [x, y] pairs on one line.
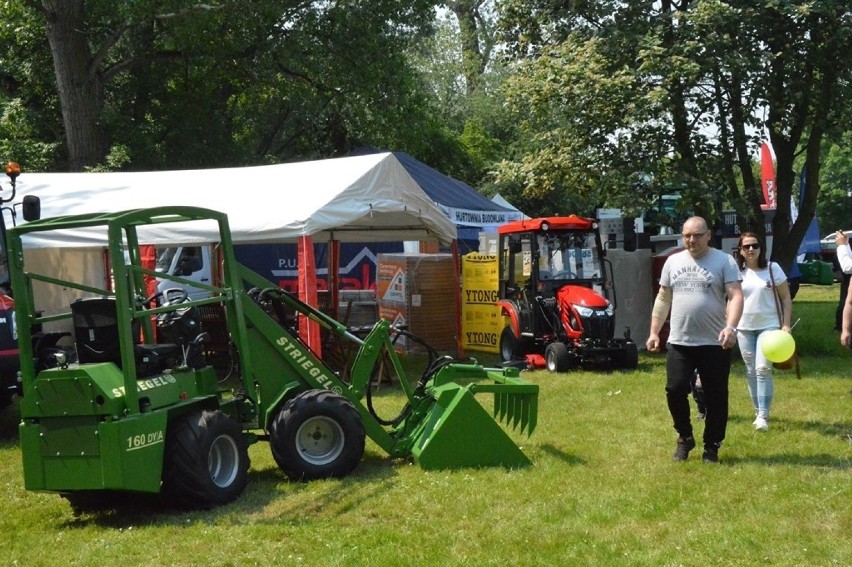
[[767, 177]]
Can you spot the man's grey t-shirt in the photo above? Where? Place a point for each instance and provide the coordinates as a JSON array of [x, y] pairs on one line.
[[698, 295]]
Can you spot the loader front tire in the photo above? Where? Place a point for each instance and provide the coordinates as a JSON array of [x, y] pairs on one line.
[[317, 434], [206, 460]]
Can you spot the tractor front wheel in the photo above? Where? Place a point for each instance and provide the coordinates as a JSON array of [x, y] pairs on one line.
[[206, 460], [557, 358], [317, 434], [509, 345], [629, 357]]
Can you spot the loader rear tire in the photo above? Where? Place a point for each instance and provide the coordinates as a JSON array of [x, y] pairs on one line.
[[206, 460], [317, 434]]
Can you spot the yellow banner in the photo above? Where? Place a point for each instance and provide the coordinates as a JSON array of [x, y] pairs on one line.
[[481, 319]]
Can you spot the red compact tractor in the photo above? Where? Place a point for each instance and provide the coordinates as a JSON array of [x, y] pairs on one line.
[[554, 291]]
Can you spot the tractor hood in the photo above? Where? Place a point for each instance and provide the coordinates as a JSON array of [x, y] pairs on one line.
[[581, 295]]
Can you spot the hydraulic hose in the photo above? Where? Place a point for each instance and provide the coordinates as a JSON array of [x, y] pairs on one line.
[[430, 371]]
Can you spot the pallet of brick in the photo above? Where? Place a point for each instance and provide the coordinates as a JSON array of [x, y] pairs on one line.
[[418, 291]]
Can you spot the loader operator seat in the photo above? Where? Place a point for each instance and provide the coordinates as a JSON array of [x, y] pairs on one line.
[[96, 335]]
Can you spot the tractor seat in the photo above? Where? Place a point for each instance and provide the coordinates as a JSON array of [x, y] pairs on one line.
[[96, 330], [96, 335]]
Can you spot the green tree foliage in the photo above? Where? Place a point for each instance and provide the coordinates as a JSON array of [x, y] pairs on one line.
[[29, 108], [576, 112], [464, 78], [683, 91], [834, 210], [171, 84]]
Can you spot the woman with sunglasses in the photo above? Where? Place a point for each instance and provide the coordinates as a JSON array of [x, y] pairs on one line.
[[760, 314]]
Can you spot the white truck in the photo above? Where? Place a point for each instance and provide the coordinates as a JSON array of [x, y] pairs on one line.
[[190, 262]]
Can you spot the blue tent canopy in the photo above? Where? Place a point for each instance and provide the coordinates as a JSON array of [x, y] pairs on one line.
[[469, 210]]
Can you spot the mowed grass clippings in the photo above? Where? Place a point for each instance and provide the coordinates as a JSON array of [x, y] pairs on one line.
[[602, 489]]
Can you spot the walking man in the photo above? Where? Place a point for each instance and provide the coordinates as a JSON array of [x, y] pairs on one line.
[[695, 285]]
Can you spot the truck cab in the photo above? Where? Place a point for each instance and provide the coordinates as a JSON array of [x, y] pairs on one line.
[[190, 262]]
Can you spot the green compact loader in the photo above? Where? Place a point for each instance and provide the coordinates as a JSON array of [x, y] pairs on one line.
[[135, 407]]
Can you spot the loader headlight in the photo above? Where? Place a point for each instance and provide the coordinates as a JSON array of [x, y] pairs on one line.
[[609, 309], [61, 360]]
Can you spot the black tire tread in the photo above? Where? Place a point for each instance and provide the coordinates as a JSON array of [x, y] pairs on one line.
[[186, 479], [309, 404]]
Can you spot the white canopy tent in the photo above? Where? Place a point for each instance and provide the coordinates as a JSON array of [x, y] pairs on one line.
[[369, 198], [354, 199], [500, 200]]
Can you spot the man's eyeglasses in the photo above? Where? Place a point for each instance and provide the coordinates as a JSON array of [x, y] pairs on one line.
[[750, 246], [695, 235]]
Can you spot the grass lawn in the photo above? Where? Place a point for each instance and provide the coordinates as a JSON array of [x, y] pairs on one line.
[[602, 490]]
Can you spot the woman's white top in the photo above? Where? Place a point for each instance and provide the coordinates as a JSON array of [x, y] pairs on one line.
[[759, 311]]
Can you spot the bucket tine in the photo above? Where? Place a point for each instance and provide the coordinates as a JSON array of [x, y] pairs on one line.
[[514, 409], [501, 406]]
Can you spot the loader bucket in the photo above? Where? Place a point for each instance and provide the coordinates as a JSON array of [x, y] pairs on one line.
[[457, 432]]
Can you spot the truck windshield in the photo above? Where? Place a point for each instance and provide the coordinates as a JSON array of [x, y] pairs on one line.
[[567, 255], [164, 258]]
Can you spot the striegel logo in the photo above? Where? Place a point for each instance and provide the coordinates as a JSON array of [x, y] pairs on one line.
[[149, 384], [301, 359]]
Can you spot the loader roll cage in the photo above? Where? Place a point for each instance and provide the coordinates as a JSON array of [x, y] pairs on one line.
[[137, 315], [128, 277]]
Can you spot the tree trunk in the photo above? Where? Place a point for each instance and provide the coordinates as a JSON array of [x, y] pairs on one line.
[[77, 82], [473, 59]]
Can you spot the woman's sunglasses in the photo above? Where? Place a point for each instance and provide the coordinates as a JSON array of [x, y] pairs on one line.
[[750, 246]]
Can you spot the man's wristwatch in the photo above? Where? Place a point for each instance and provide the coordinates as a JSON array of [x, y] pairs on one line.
[[734, 329]]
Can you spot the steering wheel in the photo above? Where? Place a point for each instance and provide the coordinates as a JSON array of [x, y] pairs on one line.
[[564, 274], [170, 296]]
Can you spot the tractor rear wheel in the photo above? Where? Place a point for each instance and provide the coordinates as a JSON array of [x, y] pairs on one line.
[[557, 358], [317, 434], [206, 460], [509, 345]]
